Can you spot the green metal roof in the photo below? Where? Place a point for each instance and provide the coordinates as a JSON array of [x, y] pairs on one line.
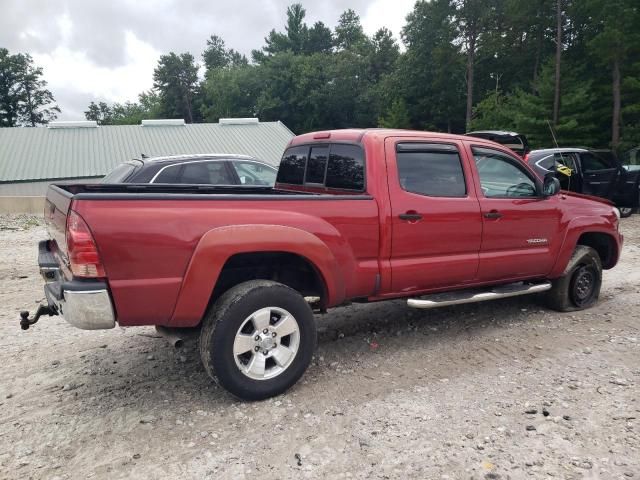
[[31, 154]]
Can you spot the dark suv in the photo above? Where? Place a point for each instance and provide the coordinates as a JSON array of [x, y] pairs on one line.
[[209, 169], [515, 141], [583, 171]]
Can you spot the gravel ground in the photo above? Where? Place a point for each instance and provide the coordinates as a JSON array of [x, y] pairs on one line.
[[505, 389]]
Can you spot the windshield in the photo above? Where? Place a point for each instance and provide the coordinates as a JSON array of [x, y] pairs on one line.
[[120, 173]]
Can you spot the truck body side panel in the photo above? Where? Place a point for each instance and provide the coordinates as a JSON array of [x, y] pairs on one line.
[[147, 246]]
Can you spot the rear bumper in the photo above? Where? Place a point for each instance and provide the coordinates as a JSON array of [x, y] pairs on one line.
[[85, 304]]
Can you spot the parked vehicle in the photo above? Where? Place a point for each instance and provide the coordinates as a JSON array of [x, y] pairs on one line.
[[355, 215], [210, 169], [582, 171], [515, 141]]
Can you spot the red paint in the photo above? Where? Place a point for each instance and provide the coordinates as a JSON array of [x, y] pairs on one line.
[[162, 257]]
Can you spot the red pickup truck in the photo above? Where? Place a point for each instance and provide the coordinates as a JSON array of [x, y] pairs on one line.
[[355, 215]]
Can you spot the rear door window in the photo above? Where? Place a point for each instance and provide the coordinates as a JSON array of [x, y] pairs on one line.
[[590, 162], [210, 173], [433, 170]]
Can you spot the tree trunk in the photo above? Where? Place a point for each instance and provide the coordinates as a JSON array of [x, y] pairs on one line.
[[470, 63], [32, 119], [188, 112], [556, 96], [615, 120], [536, 64]]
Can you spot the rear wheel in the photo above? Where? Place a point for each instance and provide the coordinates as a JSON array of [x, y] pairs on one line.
[[579, 287], [625, 212], [257, 340]]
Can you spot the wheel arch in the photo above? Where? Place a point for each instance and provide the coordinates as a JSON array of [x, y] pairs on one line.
[[597, 235], [604, 244], [233, 245]]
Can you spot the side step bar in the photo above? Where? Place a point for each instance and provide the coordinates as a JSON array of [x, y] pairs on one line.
[[472, 296]]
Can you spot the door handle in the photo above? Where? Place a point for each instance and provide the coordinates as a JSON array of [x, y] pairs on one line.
[[410, 216], [493, 214]]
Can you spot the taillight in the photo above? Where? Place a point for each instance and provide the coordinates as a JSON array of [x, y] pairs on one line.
[[81, 248]]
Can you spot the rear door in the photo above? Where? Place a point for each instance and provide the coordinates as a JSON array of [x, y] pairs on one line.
[[436, 223], [599, 177], [521, 229]]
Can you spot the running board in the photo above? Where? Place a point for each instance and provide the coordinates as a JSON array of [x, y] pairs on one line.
[[472, 296]]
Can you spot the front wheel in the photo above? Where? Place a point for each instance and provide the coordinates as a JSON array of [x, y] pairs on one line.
[[257, 340], [579, 286]]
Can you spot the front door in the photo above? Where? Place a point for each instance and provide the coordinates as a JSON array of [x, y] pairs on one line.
[[436, 219], [521, 229]]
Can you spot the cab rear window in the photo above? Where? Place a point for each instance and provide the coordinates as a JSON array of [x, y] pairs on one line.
[[337, 166], [292, 166]]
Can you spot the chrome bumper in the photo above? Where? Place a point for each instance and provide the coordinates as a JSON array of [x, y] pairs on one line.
[[83, 304], [85, 309]]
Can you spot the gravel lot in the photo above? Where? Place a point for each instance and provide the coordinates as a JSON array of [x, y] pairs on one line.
[[505, 389]]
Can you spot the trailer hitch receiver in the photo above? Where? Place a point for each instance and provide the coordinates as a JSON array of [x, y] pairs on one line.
[[26, 322]]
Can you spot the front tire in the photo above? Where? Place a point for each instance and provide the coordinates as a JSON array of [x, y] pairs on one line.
[[258, 339], [579, 286]]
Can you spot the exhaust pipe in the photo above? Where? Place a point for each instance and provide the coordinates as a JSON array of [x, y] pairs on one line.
[[171, 336]]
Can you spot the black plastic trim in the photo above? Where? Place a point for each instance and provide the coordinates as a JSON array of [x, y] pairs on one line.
[[57, 289], [210, 196], [45, 257]]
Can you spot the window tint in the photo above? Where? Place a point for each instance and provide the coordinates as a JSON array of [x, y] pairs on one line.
[[500, 176], [254, 173], [205, 173], [316, 165], [432, 173], [591, 162], [168, 174], [292, 165], [120, 173], [346, 167], [545, 162]]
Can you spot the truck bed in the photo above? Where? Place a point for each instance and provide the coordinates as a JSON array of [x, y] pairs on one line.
[[151, 236]]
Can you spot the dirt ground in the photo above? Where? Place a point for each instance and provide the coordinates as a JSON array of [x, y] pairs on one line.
[[504, 389]]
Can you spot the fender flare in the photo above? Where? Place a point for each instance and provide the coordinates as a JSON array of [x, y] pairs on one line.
[[575, 228], [219, 244]]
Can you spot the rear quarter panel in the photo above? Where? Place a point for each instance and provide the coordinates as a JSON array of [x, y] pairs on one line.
[[147, 247]]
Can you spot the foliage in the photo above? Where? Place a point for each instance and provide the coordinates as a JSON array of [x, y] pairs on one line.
[[128, 113], [397, 116], [176, 81], [24, 97], [497, 53]]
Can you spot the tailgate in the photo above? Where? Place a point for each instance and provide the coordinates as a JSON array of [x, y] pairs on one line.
[[56, 208]]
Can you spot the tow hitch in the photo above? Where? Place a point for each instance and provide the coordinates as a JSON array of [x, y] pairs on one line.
[[26, 322]]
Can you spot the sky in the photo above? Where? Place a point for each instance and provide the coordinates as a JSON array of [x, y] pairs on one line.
[[106, 50]]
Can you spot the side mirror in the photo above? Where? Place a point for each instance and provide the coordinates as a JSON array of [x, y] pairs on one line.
[[551, 186]]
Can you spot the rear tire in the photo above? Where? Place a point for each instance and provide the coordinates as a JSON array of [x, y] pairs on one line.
[[258, 339], [579, 286], [625, 212]]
